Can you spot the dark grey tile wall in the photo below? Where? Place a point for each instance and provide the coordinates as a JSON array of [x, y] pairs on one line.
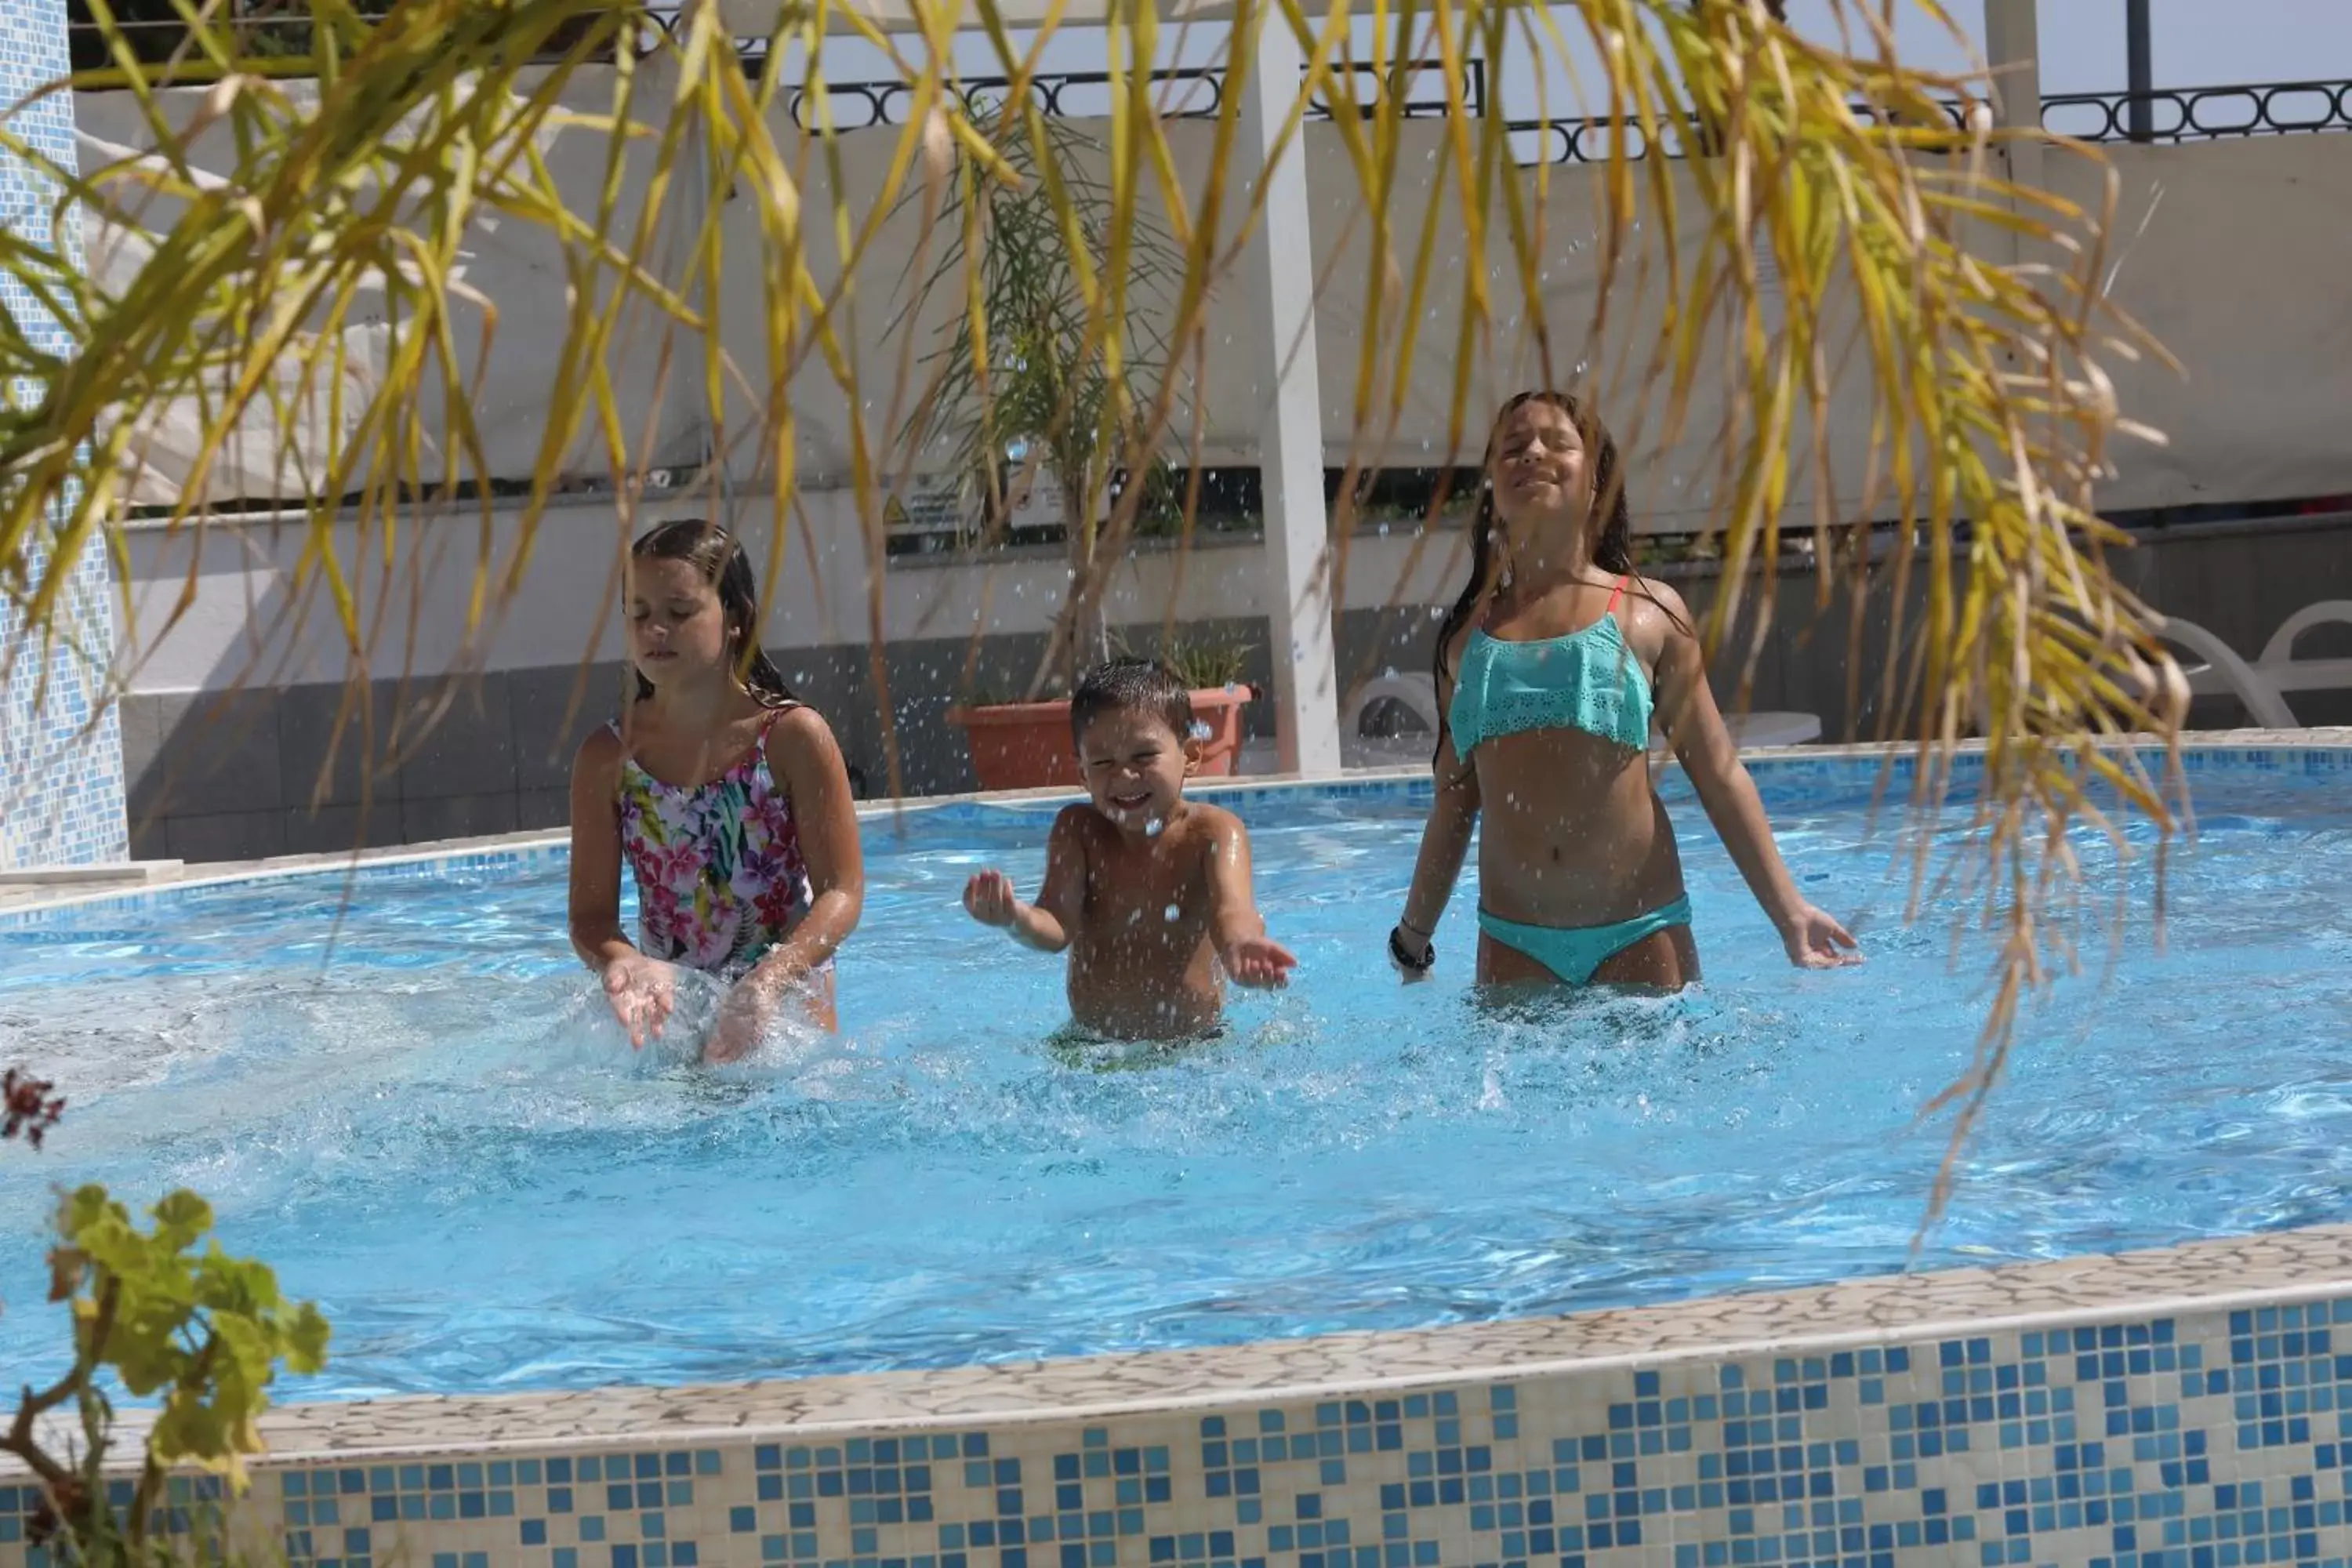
[[313, 768], [247, 774]]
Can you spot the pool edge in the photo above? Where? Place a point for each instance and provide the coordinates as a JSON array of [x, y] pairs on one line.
[[515, 846], [2031, 1413], [1845, 1314]]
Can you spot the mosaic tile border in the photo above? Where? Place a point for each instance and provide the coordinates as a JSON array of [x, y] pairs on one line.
[[2122, 1412], [2284, 753], [61, 781]]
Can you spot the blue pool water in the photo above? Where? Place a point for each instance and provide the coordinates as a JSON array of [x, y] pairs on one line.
[[432, 1129]]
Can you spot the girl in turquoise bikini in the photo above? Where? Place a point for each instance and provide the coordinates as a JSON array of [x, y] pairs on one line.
[[727, 798], [1549, 669]]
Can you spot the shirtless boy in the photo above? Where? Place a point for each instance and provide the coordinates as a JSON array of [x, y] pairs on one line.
[[1149, 892]]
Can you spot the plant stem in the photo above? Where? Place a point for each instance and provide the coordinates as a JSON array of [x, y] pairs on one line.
[[73, 1512]]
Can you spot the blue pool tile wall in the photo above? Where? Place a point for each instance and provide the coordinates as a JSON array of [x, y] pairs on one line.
[[62, 789], [2208, 1439]]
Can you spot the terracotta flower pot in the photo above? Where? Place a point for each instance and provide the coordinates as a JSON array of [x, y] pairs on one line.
[[1027, 745]]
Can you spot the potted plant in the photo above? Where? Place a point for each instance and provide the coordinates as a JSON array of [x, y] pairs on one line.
[[1026, 744], [1023, 395], [1217, 672]]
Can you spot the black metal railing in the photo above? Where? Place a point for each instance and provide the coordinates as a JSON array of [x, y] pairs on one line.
[[2202, 114], [1591, 140], [1192, 92], [2165, 115], [2175, 114]]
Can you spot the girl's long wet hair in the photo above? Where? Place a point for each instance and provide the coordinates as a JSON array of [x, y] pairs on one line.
[[717, 555], [1612, 551]]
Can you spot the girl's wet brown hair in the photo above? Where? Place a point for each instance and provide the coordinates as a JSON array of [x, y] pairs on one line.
[[719, 556], [1611, 552]]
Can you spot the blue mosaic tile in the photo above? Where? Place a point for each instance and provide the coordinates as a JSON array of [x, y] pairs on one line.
[[2220, 1436], [61, 782]]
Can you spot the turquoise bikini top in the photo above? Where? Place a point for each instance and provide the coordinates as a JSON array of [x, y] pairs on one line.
[[1587, 680]]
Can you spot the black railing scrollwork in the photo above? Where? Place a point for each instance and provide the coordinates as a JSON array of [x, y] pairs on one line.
[[2172, 114], [1192, 93], [1593, 141], [2177, 114], [2202, 114]]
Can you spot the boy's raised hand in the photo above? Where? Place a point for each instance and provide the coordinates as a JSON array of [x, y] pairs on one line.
[[989, 899], [1260, 963]]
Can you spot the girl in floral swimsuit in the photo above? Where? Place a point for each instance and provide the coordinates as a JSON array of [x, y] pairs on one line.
[[726, 797]]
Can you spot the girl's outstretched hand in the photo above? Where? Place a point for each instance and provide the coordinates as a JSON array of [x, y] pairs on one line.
[[642, 992], [989, 899], [745, 1019], [1816, 940], [1260, 963]]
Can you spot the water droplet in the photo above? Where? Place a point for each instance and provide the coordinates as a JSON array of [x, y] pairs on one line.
[[1172, 913]]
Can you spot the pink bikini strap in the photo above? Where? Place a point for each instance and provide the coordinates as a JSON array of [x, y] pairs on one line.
[[1614, 594]]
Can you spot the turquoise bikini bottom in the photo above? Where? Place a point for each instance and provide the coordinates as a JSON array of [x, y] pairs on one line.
[[1573, 952]]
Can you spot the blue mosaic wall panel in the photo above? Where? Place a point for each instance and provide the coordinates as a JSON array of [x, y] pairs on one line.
[[61, 788], [2209, 1440]]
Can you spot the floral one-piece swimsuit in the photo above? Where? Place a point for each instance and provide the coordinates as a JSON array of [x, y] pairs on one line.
[[720, 874]]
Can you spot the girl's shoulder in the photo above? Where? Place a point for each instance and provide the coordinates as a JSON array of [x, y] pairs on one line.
[[1658, 595], [801, 753], [793, 727], [602, 749], [1657, 621]]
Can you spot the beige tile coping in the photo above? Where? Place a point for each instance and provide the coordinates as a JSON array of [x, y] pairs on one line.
[[2275, 1268]]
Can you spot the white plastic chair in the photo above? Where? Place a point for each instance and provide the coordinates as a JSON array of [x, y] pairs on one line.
[[1768, 729], [1415, 693], [2263, 684]]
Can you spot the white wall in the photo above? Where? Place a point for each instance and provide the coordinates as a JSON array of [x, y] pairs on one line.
[[240, 627], [2235, 254], [2232, 252]]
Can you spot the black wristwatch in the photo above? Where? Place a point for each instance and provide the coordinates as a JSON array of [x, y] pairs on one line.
[[1419, 963]]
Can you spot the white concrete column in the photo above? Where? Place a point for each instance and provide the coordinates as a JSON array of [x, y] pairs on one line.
[[1291, 447], [2013, 51]]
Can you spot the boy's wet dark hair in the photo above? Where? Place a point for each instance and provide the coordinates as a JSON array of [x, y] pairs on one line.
[[1135, 684]]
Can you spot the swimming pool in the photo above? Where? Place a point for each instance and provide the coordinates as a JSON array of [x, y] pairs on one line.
[[417, 1113]]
